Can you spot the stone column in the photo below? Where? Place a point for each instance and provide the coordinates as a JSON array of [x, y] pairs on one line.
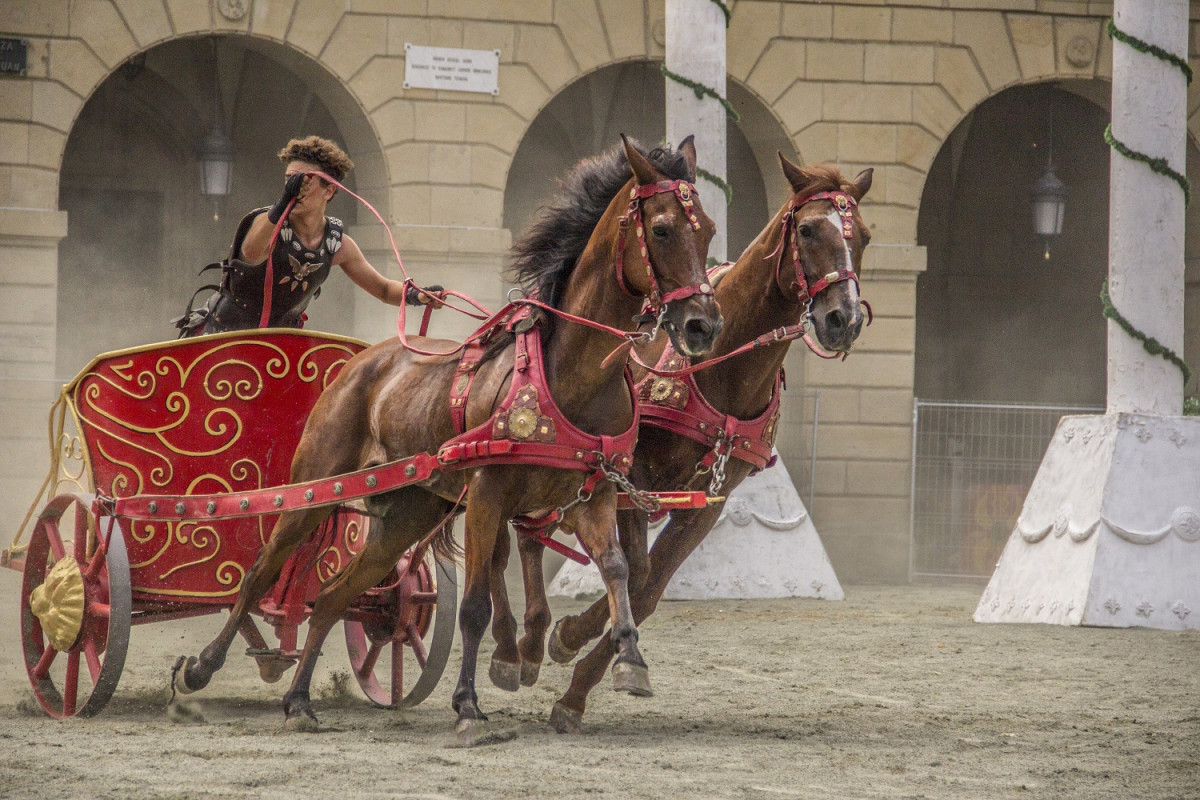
[[1110, 533], [1149, 114], [29, 240], [696, 50]]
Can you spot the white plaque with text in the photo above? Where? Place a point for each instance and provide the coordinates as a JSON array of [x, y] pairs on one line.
[[451, 68]]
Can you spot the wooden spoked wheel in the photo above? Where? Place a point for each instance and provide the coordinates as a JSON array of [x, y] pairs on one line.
[[399, 639], [75, 608]]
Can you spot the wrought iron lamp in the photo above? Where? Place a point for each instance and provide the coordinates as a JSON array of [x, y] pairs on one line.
[[1048, 196], [215, 151]]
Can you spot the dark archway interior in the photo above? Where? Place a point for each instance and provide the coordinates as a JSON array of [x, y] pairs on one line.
[[996, 321], [138, 228], [588, 117]]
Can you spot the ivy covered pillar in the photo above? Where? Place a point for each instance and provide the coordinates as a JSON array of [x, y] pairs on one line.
[[1110, 532], [695, 99]]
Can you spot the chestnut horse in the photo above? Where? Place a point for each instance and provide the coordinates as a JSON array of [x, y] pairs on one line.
[[581, 258], [759, 294]]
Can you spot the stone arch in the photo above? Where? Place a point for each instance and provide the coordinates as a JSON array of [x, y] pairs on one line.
[[627, 97], [995, 320], [139, 229], [884, 87]]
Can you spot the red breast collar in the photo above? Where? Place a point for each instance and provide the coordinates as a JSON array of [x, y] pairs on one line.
[[676, 405], [528, 427]]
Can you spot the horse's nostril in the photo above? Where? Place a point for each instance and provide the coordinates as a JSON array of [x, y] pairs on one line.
[[697, 328], [836, 321]]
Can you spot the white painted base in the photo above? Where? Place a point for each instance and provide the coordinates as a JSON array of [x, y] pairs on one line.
[[763, 546], [1109, 534]]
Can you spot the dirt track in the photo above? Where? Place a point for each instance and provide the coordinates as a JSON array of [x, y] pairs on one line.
[[893, 692]]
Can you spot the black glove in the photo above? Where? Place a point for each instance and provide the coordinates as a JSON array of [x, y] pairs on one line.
[[415, 296], [290, 189]]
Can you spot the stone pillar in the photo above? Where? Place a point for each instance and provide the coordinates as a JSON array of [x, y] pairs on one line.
[[1110, 533], [1149, 114], [29, 240], [696, 50]]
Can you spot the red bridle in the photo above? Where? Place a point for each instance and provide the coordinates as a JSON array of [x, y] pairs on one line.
[[685, 192], [844, 205]]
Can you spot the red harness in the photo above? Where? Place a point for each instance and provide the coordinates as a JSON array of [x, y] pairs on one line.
[[669, 398], [529, 428], [677, 405], [684, 192]]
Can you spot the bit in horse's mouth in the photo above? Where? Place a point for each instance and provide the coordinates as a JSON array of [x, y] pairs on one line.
[[679, 341]]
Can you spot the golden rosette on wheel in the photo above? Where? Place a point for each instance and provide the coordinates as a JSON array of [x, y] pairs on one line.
[[58, 603]]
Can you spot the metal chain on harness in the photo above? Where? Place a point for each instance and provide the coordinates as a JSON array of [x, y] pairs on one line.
[[723, 448], [641, 499]]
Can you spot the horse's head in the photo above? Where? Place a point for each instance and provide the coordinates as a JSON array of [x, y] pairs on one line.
[[822, 250], [664, 255]]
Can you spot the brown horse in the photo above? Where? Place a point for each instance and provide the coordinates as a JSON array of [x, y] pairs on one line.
[[580, 258], [757, 295]]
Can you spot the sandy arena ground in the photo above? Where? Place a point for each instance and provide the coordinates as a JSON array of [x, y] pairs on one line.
[[893, 692]]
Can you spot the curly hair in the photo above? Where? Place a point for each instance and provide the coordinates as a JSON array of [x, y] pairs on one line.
[[332, 159]]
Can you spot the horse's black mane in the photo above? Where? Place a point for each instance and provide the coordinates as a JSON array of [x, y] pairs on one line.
[[545, 254]]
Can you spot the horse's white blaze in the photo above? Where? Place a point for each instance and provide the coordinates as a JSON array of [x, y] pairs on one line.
[[836, 220]]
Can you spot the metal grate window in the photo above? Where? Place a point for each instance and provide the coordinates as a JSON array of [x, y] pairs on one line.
[[973, 464]]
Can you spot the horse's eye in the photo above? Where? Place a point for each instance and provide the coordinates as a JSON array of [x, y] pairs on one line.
[[806, 231], [661, 231]]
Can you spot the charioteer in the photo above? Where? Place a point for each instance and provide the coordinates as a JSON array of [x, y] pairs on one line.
[[307, 245]]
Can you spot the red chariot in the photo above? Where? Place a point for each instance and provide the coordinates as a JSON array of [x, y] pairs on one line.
[[215, 416]]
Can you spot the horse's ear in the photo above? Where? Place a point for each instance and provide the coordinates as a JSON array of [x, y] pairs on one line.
[[862, 183], [688, 148], [796, 177], [643, 172]]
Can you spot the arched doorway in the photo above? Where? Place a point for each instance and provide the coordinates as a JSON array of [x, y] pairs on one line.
[[139, 229], [996, 320], [587, 118]]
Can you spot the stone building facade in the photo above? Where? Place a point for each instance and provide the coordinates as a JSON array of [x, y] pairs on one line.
[[102, 226]]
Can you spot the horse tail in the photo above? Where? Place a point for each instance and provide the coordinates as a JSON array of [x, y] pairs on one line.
[[445, 546]]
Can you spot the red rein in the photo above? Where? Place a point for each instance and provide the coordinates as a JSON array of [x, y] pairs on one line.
[[684, 192]]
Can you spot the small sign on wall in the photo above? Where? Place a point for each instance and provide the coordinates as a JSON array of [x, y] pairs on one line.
[[14, 53], [451, 68]]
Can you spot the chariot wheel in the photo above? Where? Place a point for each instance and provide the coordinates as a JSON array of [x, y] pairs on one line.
[[399, 639], [75, 608]]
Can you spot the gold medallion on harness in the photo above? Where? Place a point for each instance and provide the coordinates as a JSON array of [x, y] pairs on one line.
[[661, 389], [522, 422]]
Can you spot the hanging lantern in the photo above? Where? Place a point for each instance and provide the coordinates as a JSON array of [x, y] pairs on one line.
[[1049, 200], [215, 152]]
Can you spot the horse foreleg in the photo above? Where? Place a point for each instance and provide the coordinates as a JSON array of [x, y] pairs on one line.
[[482, 523], [505, 669], [192, 673], [597, 529], [571, 633], [537, 609], [678, 540]]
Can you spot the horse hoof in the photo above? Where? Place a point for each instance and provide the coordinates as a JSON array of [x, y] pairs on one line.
[[529, 672], [272, 669], [558, 651], [471, 732], [305, 722], [179, 675], [631, 678], [564, 720], [505, 675]]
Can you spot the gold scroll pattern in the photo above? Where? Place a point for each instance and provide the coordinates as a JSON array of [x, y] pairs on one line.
[[166, 420]]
